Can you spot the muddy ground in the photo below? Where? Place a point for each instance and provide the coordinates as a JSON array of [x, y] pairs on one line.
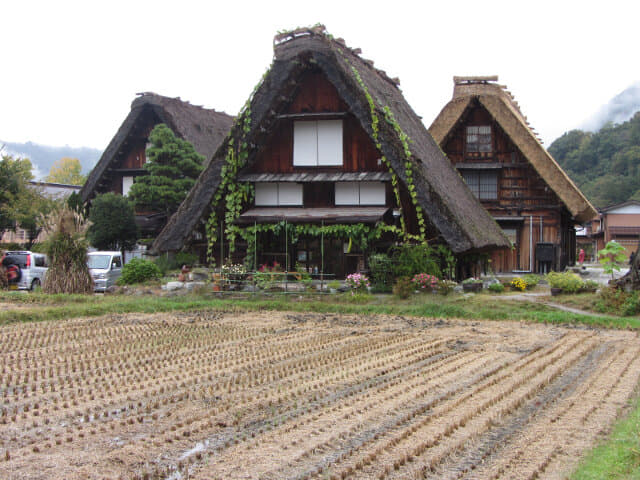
[[300, 396]]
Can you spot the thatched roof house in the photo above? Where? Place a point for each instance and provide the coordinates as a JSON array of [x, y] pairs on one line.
[[488, 139], [502, 106], [124, 156], [376, 104]]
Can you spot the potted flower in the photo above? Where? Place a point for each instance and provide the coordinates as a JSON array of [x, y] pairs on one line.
[[472, 285]]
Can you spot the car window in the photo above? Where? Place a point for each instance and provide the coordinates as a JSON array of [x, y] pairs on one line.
[[117, 262], [39, 260], [19, 259], [98, 261]]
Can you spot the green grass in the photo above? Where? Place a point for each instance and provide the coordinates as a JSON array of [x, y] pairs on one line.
[[40, 306], [619, 456]]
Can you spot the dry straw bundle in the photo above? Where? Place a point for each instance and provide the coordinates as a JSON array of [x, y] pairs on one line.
[[67, 251]]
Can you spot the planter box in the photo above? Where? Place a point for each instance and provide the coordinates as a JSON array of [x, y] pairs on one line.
[[555, 291], [472, 287]]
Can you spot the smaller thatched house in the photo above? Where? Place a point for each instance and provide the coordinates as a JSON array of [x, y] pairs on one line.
[[327, 150], [124, 157], [488, 140]]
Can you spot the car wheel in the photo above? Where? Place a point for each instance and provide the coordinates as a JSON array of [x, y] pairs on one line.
[[35, 284]]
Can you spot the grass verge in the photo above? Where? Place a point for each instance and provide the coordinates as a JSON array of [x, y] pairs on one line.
[[619, 456], [39, 306]]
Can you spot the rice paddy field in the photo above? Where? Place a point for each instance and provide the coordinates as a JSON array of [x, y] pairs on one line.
[[269, 395]]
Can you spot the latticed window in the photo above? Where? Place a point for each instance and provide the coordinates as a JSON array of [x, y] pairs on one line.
[[479, 139], [484, 185]]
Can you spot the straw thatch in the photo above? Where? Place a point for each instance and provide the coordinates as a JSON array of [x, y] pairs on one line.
[[449, 205], [204, 128], [502, 106]]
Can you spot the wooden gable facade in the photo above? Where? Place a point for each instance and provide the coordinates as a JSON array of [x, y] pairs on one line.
[[502, 176], [317, 194]]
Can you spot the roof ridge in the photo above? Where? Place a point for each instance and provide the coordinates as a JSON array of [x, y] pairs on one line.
[[320, 31], [142, 96]]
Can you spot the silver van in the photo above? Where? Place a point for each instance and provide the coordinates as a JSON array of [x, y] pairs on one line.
[[27, 269], [105, 269]]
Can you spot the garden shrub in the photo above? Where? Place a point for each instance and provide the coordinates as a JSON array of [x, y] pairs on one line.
[[408, 260], [445, 287], [617, 301], [424, 282], [381, 271], [631, 305], [165, 263], [518, 284], [358, 283], [496, 288], [138, 271], [531, 280], [403, 287], [567, 281]]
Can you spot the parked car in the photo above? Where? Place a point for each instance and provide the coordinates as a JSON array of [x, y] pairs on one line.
[[26, 270], [105, 269]]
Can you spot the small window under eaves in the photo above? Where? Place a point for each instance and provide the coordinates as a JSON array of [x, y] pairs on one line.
[[278, 194], [360, 193], [479, 139]]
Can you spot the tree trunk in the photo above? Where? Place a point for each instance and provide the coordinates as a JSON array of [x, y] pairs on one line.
[[631, 279]]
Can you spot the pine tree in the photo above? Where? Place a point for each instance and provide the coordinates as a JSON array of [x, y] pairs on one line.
[[173, 165]]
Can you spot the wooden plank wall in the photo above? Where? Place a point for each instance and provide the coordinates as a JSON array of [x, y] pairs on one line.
[[317, 95]]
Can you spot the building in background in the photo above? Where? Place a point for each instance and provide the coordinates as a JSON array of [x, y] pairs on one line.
[[125, 156], [56, 191], [619, 222]]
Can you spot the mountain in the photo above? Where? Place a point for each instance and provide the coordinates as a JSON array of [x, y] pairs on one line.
[[604, 164], [619, 109], [43, 156]]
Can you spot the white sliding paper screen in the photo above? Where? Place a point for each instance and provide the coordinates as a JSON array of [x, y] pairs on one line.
[[126, 185], [360, 193], [266, 194], [330, 143], [347, 193], [317, 143], [372, 193], [289, 194], [305, 144], [281, 194]]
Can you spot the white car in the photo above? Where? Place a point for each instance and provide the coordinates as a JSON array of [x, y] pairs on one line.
[[28, 269], [105, 269]]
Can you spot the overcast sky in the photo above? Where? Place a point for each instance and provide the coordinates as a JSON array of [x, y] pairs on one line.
[[70, 70]]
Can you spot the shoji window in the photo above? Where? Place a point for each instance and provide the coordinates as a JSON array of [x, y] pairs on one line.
[[281, 194], [360, 193], [317, 143]]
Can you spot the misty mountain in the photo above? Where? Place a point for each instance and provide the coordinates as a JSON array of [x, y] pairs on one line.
[[43, 156], [604, 164], [619, 109]]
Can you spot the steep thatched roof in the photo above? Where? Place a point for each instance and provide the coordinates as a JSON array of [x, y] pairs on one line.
[[204, 128], [502, 106], [447, 202]]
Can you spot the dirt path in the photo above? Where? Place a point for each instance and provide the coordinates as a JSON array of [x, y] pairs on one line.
[[301, 396], [538, 297]]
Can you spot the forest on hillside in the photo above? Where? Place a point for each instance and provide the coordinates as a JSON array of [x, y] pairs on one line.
[[605, 164]]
